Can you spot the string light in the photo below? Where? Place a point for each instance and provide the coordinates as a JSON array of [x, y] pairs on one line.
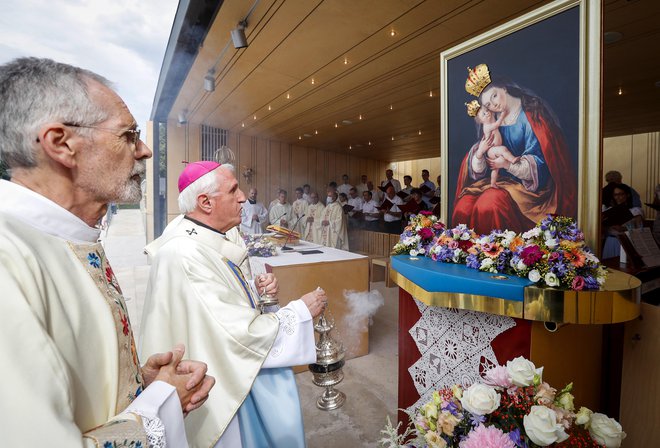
[[288, 96], [316, 132], [242, 125], [391, 107], [360, 117], [431, 93], [269, 108], [345, 61], [336, 125], [620, 91], [392, 32]]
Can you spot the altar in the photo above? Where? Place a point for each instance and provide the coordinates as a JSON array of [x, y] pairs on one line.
[[308, 266], [455, 322]]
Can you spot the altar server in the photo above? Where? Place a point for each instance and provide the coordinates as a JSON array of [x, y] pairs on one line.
[[253, 215]]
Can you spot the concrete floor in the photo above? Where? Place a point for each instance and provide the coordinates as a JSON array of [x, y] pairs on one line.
[[370, 382]]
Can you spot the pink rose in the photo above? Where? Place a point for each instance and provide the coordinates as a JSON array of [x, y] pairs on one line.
[[578, 283], [553, 256], [453, 245]]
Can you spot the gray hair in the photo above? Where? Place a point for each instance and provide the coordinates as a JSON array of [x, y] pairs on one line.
[[36, 91], [206, 184]]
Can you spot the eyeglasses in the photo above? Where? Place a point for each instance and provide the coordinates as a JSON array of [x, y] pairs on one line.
[[132, 135]]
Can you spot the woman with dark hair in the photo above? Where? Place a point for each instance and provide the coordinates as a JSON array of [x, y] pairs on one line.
[[539, 182], [621, 197]]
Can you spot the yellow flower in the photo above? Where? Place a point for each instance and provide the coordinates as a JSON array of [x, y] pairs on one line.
[[434, 440]]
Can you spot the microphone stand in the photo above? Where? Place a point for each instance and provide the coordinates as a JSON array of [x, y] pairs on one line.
[[288, 237]]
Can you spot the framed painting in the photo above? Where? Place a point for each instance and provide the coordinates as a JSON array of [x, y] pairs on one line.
[[520, 131]]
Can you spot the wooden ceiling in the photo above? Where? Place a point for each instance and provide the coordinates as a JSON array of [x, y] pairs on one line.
[[363, 76]]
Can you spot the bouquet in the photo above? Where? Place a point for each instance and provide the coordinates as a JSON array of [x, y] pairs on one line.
[[553, 253], [512, 407], [259, 246], [419, 235]]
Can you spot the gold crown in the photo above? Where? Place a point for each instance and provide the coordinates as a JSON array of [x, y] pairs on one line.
[[477, 80], [473, 108]]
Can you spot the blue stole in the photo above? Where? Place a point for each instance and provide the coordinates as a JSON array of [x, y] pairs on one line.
[[270, 415]]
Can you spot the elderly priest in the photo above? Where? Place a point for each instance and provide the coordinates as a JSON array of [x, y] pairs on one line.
[[198, 294], [70, 373]]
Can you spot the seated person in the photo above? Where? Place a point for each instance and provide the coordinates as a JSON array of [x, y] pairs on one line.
[[621, 195]]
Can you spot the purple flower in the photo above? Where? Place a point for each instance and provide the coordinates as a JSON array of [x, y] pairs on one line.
[[444, 254], [452, 408], [476, 420], [590, 282], [472, 261]]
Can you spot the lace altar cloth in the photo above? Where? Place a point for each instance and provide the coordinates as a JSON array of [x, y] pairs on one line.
[[455, 346]]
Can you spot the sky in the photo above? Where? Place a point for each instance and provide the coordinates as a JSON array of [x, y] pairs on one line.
[[122, 40]]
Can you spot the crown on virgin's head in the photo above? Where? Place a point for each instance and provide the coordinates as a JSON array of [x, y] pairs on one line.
[[473, 108], [477, 80]]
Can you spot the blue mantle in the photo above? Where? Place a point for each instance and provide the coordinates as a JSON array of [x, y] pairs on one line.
[[435, 276]]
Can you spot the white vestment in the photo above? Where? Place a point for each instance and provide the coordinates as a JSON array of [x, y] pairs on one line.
[[280, 212], [198, 295], [335, 234], [250, 224], [70, 372], [313, 227], [298, 209]]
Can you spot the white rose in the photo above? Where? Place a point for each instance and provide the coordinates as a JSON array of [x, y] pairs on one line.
[[521, 266], [534, 275], [522, 371], [551, 279], [583, 416], [606, 431], [542, 428], [480, 399]]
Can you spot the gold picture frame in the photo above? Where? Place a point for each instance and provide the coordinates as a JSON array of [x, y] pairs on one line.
[[577, 24]]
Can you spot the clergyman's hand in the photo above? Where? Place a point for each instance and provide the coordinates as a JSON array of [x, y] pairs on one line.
[[186, 384], [268, 281], [316, 301], [199, 382]]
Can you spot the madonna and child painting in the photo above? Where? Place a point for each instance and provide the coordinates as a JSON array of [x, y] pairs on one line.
[[512, 159]]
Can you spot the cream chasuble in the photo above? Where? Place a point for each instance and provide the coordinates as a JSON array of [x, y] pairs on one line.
[[335, 234], [313, 228], [198, 294], [298, 209], [280, 212], [69, 362]]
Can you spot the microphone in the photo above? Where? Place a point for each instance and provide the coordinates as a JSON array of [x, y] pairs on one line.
[[277, 223], [289, 235]]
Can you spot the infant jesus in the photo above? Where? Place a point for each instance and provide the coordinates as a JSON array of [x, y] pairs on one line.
[[491, 128]]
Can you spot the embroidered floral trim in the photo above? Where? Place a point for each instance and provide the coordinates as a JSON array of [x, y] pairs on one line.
[[288, 320], [155, 430], [97, 266]]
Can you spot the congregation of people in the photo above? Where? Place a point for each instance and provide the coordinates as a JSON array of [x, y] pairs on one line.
[[345, 208]]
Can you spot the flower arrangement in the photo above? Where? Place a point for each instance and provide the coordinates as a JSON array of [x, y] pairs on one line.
[[553, 253], [511, 408], [259, 246], [420, 235]]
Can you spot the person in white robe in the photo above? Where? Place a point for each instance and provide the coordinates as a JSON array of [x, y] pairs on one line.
[[253, 215], [280, 213], [334, 232], [196, 273], [299, 211], [314, 218], [307, 190], [70, 371]]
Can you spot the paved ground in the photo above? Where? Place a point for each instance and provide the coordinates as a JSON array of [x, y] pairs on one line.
[[370, 382]]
